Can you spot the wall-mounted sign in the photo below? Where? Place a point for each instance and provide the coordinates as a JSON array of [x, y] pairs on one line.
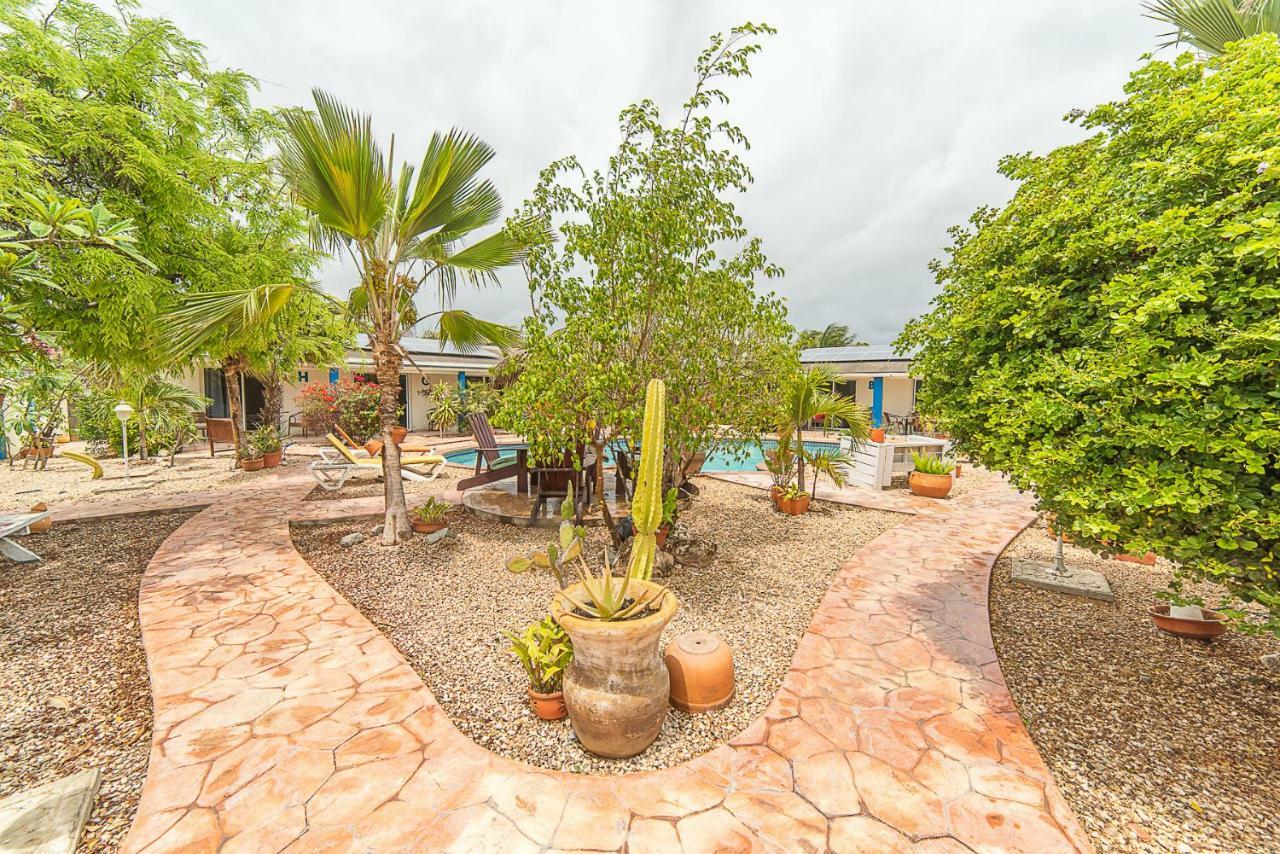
[[333, 375], [304, 377]]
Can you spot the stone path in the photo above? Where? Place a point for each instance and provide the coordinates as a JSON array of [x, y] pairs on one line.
[[286, 721]]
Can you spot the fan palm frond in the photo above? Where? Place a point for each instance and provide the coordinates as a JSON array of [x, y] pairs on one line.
[[1210, 25]]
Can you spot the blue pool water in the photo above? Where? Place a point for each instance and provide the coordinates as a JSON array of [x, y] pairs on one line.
[[744, 456]]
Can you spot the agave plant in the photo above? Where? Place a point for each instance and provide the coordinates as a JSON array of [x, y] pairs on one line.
[[928, 464], [1210, 25], [607, 598]]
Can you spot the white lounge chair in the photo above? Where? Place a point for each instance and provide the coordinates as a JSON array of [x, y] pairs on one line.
[[18, 524], [333, 470]]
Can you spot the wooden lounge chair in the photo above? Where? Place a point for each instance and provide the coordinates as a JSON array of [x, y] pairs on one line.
[[332, 471], [219, 430], [18, 523], [492, 465]]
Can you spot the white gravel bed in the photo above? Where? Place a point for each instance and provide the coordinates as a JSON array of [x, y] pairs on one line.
[[74, 692], [445, 607], [1159, 744]]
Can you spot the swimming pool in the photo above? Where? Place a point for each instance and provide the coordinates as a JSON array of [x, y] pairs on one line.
[[742, 456]]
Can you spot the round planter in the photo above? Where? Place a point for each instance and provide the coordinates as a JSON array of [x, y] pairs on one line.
[[701, 669], [930, 485], [271, 460], [428, 527], [617, 687], [775, 495], [398, 434], [661, 536], [44, 524], [251, 465], [1212, 624], [548, 707], [1148, 559], [877, 434], [797, 506]]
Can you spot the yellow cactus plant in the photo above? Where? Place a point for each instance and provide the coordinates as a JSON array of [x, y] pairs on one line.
[[646, 504]]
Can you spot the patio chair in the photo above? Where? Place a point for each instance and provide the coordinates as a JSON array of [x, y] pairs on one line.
[[332, 472], [219, 430], [18, 523], [297, 420], [373, 447], [491, 464]]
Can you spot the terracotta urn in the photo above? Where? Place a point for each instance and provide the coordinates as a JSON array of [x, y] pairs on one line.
[[930, 485], [251, 465], [775, 495], [428, 527], [548, 707], [701, 668], [44, 524], [1210, 625], [272, 459], [617, 687]]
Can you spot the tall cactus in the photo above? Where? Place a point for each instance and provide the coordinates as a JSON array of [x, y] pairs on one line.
[[646, 504]]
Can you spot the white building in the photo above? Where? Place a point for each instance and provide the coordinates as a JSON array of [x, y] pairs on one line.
[[427, 364], [874, 374]]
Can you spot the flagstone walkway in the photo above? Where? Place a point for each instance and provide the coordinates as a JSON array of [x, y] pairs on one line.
[[286, 721]]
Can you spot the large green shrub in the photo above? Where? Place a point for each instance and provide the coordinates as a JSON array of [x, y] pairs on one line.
[[1111, 338]]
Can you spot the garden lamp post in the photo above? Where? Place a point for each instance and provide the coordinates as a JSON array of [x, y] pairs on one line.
[[124, 412]]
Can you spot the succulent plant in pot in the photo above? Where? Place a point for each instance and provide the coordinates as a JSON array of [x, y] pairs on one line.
[[544, 650], [932, 476], [428, 517]]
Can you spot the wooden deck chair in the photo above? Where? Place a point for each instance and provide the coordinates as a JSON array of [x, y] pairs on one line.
[[219, 430], [491, 464]]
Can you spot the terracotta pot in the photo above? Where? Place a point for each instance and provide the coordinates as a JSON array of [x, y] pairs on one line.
[[959, 468], [428, 527], [39, 453], [271, 460], [398, 434], [1148, 559], [1212, 624], [44, 524], [251, 465], [701, 669], [877, 434], [797, 506], [549, 707], [775, 495], [616, 688], [930, 485], [661, 536]]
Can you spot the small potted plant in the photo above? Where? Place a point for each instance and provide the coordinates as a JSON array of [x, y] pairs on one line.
[[794, 501], [877, 434], [668, 516], [544, 650], [932, 476], [266, 440], [250, 456], [428, 517]]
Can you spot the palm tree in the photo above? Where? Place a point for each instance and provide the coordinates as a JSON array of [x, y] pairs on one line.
[[808, 394], [1210, 25], [399, 231], [835, 335]]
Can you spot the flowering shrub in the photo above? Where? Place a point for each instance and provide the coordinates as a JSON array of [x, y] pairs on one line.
[[351, 404]]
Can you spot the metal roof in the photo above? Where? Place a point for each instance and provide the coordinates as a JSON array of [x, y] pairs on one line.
[[432, 347], [863, 353]]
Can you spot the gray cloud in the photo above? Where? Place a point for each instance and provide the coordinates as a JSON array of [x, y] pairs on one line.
[[874, 129]]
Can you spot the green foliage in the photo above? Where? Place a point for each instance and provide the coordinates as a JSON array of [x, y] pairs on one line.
[[1111, 338], [432, 510], [1211, 25], [834, 335], [807, 394], [351, 403], [929, 464], [446, 405], [832, 462], [265, 439], [646, 502], [556, 556], [669, 506], [545, 651], [96, 422], [653, 266]]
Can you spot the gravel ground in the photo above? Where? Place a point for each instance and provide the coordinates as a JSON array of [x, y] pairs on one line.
[[67, 482], [446, 606], [74, 692], [1159, 744]]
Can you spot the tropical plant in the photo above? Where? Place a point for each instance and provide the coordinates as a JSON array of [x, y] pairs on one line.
[[557, 555], [929, 464], [1108, 339], [780, 459], [400, 231], [792, 492], [265, 439], [606, 596], [357, 403], [646, 503], [833, 462], [432, 510], [669, 506], [654, 264], [1210, 25], [446, 406], [833, 335], [544, 650], [808, 394], [480, 397]]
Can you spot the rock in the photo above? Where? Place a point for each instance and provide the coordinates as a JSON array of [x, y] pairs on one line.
[[693, 553], [436, 537], [1272, 661], [663, 564], [377, 530], [351, 539]]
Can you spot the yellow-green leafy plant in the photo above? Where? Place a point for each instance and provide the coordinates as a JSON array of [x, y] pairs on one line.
[[556, 555], [646, 504], [544, 650], [432, 510], [928, 464]]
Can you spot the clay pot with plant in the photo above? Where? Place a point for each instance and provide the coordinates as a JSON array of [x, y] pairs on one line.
[[544, 651], [932, 476], [429, 516], [668, 517], [250, 458], [265, 440], [794, 501]]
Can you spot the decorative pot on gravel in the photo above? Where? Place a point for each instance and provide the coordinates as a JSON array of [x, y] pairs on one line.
[[1183, 622], [932, 476], [701, 668], [794, 502], [44, 524], [429, 516], [544, 650], [272, 459], [548, 707], [617, 687], [251, 464]]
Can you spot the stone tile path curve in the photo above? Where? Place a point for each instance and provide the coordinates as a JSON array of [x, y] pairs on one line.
[[285, 721]]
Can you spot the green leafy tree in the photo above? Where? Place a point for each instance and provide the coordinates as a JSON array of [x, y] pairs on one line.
[[1111, 338], [401, 229], [1210, 25], [833, 335], [654, 278]]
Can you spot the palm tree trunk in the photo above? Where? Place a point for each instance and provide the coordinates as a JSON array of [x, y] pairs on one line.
[[231, 373], [273, 399], [799, 440], [386, 364]]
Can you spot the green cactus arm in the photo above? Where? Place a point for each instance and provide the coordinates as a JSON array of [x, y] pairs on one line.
[[646, 505]]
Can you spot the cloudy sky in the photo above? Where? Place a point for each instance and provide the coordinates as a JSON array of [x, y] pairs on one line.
[[874, 126]]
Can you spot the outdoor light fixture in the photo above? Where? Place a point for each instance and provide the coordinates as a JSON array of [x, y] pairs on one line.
[[124, 412]]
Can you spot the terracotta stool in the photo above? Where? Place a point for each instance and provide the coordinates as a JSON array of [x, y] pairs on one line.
[[701, 668]]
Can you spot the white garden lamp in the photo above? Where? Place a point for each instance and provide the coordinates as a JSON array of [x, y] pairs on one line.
[[124, 412]]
